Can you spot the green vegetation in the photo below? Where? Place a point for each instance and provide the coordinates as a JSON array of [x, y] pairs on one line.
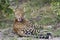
[[4, 6], [42, 12]]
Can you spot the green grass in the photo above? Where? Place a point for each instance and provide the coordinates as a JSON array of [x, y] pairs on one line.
[[48, 17], [57, 33]]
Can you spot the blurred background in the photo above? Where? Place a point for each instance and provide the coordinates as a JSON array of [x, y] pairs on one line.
[[44, 14]]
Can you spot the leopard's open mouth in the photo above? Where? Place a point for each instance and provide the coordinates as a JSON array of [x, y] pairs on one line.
[[20, 19]]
